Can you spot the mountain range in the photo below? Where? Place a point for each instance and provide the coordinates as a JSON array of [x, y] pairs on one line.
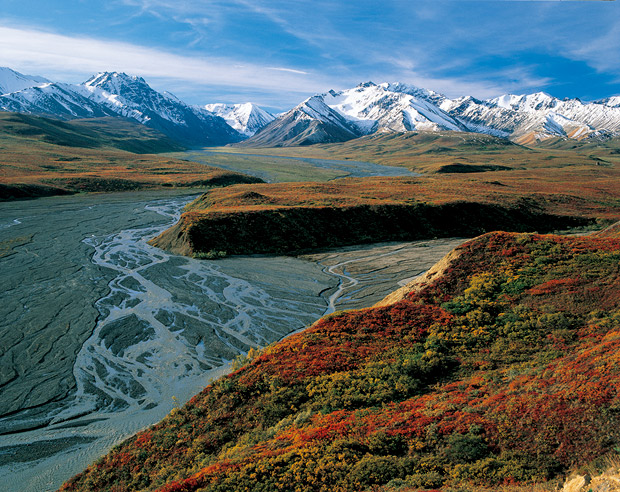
[[246, 118], [370, 108], [120, 95], [334, 116]]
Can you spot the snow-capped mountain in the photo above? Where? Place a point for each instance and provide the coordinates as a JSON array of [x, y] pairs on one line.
[[381, 108], [310, 122], [369, 108], [334, 116], [12, 81], [62, 101], [365, 109], [118, 94], [246, 118], [536, 116], [132, 97]]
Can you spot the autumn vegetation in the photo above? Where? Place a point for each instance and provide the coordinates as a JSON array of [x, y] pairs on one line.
[[502, 372], [472, 184]]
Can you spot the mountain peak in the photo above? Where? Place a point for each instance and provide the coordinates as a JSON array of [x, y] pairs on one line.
[[114, 82], [246, 118], [367, 84]]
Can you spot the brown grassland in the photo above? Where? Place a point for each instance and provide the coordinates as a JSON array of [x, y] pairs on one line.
[[542, 194]]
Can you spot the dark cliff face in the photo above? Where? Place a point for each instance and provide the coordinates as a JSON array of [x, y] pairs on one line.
[[294, 229]]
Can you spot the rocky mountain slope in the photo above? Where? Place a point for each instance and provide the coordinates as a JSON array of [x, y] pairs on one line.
[[132, 97], [502, 369], [334, 116], [370, 108]]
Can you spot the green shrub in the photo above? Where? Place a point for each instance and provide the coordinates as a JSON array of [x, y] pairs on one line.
[[209, 255]]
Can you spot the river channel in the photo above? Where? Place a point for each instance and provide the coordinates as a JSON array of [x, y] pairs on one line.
[[102, 335]]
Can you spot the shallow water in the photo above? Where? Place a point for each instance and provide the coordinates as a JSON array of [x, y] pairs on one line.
[[101, 331], [102, 335]]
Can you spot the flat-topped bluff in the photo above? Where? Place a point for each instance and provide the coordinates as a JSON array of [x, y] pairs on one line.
[[502, 369], [282, 218]]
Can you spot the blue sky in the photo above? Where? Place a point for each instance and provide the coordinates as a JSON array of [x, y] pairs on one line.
[[278, 52]]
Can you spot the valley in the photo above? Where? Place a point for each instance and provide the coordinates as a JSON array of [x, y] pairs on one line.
[[273, 168], [222, 324]]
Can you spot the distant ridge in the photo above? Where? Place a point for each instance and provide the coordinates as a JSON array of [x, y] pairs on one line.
[[12, 81], [246, 118]]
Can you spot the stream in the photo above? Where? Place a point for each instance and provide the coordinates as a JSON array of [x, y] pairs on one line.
[[102, 335]]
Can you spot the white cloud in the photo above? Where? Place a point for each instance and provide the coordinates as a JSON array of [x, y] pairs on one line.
[[48, 53], [290, 70], [482, 87]]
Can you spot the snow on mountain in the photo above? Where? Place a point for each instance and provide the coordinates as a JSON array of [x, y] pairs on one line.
[[355, 112], [132, 97], [379, 108], [310, 122], [246, 118], [330, 117], [12, 81], [612, 102], [538, 115], [118, 94], [53, 99]]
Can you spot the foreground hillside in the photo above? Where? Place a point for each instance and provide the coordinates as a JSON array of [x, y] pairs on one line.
[[41, 156], [503, 368]]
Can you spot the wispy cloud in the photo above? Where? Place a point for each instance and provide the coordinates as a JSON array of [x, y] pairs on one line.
[[283, 50], [481, 87], [200, 19], [601, 51], [289, 70], [34, 50]]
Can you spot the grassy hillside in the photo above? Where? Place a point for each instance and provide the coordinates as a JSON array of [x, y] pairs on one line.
[[41, 156], [503, 370], [118, 133]]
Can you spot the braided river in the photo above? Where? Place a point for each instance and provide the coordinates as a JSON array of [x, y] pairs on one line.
[[101, 335]]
